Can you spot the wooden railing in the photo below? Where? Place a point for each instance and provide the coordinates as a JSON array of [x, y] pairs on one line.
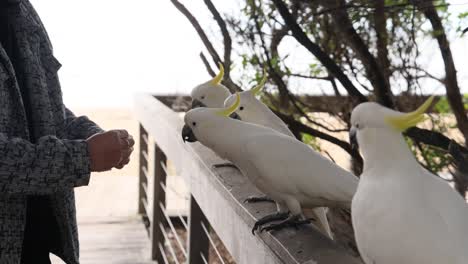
[[216, 203]]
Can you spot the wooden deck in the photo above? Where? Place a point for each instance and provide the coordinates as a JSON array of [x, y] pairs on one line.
[[113, 241], [120, 240]]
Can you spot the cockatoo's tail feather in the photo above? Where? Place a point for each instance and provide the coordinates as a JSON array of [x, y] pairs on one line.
[[405, 121], [218, 78], [231, 109], [257, 89]]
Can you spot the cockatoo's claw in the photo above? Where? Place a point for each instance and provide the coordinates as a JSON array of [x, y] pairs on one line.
[[269, 218], [217, 166], [257, 199], [290, 222]]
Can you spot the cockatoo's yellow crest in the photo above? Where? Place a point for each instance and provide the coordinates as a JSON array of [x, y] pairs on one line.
[[218, 78], [405, 121], [257, 89], [229, 110]]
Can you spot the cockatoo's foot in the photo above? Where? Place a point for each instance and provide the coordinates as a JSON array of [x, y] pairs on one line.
[[257, 199], [269, 218], [227, 164], [292, 221]]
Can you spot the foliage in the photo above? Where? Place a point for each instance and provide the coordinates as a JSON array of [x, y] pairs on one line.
[[354, 50], [311, 141]]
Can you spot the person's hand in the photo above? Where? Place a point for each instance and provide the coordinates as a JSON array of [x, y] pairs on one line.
[[109, 149], [127, 151]]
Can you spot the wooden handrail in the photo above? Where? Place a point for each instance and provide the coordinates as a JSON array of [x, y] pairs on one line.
[[220, 193]]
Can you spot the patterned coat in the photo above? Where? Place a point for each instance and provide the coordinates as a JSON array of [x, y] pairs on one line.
[[58, 160]]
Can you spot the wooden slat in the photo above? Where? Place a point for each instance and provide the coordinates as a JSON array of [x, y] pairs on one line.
[[213, 245], [145, 139], [203, 258], [163, 253], [171, 249], [198, 243], [142, 162], [163, 187], [145, 172], [113, 240], [164, 167], [182, 220], [146, 210], [145, 189], [174, 231], [220, 194], [145, 155], [159, 197]]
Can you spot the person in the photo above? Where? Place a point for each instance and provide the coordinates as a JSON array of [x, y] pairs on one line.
[[45, 150]]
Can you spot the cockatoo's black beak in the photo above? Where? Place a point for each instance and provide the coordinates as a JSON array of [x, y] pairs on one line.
[[235, 116], [353, 139], [187, 134], [196, 104]]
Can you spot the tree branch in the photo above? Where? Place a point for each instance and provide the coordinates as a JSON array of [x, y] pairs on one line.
[[204, 38], [327, 62], [374, 71], [440, 141], [209, 46], [227, 38], [295, 125], [207, 65], [454, 96], [380, 19], [327, 78], [276, 76]]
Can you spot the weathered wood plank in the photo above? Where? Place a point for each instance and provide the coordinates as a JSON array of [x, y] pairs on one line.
[[118, 241], [159, 198], [198, 244], [220, 194], [143, 163]]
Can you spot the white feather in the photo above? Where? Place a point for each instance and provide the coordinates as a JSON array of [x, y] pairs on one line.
[[285, 169], [254, 111], [401, 212]]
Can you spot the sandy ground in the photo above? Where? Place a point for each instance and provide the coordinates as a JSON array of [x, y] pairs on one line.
[[107, 207], [113, 193]]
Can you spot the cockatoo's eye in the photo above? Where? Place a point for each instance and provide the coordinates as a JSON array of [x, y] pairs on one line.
[[203, 97], [241, 108], [194, 123], [357, 126]]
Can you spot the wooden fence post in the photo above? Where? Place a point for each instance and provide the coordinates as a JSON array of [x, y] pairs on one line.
[[159, 197], [143, 168], [198, 243]]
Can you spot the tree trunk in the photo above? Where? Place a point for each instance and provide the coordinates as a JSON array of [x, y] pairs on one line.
[[454, 96], [374, 71], [451, 83]]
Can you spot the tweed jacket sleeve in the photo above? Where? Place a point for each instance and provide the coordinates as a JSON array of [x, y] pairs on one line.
[[57, 158], [45, 167], [79, 127], [50, 164]]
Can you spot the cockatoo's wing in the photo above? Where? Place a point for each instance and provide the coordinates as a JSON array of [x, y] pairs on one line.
[[453, 211], [291, 167]]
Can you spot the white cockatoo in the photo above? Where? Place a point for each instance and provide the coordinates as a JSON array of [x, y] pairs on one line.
[[401, 212], [252, 110], [282, 167], [211, 93]]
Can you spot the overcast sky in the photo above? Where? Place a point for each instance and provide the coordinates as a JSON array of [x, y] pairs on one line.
[[111, 49]]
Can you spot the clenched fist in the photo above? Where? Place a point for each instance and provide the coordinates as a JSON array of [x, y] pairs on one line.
[[111, 149]]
